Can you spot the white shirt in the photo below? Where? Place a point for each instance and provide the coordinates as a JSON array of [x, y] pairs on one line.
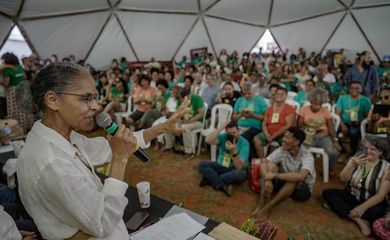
[[61, 194], [8, 229]]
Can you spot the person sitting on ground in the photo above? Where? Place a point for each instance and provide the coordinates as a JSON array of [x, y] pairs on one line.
[[228, 95], [277, 119], [353, 108], [317, 122], [289, 172], [193, 119], [232, 163], [363, 199], [143, 98]]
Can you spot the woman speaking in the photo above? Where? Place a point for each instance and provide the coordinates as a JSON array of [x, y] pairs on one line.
[[57, 182]]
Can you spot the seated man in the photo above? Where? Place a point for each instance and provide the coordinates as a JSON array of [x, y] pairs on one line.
[[288, 171], [232, 163], [192, 119]]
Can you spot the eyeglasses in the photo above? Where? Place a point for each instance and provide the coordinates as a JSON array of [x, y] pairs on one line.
[[87, 98], [384, 97]]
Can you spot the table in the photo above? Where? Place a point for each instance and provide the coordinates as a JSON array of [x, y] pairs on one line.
[[158, 208]]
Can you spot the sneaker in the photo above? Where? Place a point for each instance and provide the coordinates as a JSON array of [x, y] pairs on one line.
[[227, 189], [203, 182]]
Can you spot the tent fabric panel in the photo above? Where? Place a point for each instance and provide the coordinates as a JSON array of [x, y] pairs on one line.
[[167, 5], [232, 36], [369, 2], [287, 10], [10, 7], [310, 34], [254, 11], [375, 24], [155, 35], [5, 26], [65, 35], [111, 44], [349, 37], [44, 7], [197, 39], [206, 3]]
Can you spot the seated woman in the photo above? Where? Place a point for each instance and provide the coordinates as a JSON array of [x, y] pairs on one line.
[[277, 119], [301, 97], [379, 115], [363, 199], [158, 107], [318, 125], [143, 98], [56, 167], [116, 94]]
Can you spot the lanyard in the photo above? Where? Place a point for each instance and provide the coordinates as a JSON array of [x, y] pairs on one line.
[[364, 172], [350, 103]]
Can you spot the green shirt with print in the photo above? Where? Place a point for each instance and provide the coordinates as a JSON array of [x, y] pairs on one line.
[[16, 75], [257, 104], [353, 108], [196, 104], [225, 158]]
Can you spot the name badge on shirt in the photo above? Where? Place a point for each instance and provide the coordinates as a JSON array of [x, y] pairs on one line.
[[226, 160], [354, 115], [275, 117]]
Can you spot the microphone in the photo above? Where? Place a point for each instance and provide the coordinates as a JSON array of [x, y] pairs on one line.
[[104, 120]]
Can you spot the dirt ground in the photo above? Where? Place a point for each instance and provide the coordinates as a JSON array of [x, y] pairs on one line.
[[176, 179]]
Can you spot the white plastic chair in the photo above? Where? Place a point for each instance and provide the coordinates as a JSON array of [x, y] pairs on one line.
[[295, 104], [220, 113], [195, 132], [129, 110], [321, 151], [334, 108], [291, 95]]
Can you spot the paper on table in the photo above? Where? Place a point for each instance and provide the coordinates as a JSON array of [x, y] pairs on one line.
[[176, 209], [202, 236], [179, 227]]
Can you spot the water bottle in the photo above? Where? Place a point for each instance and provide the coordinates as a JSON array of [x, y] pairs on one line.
[[7, 131]]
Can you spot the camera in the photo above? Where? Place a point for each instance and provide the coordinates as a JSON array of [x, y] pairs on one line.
[[230, 138]]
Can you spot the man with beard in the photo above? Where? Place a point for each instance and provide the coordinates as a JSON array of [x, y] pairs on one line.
[[364, 72]]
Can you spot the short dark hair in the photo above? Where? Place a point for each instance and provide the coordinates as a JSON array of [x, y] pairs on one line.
[[355, 82], [274, 85], [228, 83], [282, 89], [298, 134], [162, 82], [185, 92], [232, 124], [310, 80], [10, 58], [189, 77], [142, 77]]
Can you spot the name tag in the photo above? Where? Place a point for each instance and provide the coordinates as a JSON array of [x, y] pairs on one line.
[[275, 117], [226, 160], [354, 116]]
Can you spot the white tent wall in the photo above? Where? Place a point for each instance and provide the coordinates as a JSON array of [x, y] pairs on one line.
[[41, 7], [376, 27], [255, 12], [167, 29], [5, 27], [310, 34], [196, 39], [65, 35], [111, 44], [232, 36], [287, 10], [155, 34], [349, 37]]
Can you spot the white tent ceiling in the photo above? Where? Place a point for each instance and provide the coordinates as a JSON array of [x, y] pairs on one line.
[[98, 30]]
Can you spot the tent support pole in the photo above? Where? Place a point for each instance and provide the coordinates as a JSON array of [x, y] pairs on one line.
[[127, 37], [185, 38], [97, 37], [333, 32]]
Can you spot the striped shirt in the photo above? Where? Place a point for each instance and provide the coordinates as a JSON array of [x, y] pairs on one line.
[[364, 187]]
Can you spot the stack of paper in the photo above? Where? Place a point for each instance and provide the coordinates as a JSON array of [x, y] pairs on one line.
[[179, 227]]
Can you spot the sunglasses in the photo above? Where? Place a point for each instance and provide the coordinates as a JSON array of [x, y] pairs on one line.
[[384, 97]]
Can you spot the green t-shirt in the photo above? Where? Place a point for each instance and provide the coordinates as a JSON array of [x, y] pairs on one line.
[[160, 103], [16, 75], [116, 94], [301, 98], [347, 105], [257, 104], [196, 104], [225, 158]]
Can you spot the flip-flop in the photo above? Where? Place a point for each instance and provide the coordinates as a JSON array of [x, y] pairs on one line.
[[325, 206]]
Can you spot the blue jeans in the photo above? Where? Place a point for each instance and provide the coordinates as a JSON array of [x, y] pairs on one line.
[[217, 175], [354, 136]]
